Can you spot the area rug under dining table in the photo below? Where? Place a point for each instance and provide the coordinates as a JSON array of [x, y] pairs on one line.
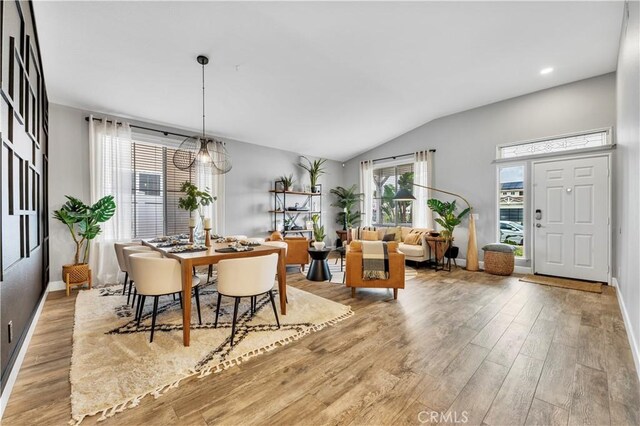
[[113, 365]]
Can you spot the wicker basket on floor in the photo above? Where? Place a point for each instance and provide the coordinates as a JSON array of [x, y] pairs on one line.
[[498, 263]]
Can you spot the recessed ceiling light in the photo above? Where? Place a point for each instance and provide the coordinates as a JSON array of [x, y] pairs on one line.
[[544, 71]]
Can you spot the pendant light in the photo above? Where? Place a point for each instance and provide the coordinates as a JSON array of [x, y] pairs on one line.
[[206, 155]]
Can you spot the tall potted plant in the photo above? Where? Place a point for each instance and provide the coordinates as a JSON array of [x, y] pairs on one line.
[[315, 170], [83, 222], [195, 199], [347, 199], [448, 219], [318, 233]]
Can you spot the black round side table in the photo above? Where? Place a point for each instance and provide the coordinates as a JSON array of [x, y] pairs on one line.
[[319, 268]]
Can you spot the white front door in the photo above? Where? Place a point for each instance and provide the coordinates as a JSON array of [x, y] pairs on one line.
[[571, 218]]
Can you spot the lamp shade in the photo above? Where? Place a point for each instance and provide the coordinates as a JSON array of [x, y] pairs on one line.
[[404, 195]]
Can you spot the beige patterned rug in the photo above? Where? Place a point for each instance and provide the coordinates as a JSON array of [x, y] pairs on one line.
[[114, 366]]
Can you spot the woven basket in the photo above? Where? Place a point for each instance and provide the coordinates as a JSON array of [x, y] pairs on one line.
[[498, 263], [77, 273]]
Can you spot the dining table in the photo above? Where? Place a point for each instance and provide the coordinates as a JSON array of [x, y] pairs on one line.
[[189, 260]]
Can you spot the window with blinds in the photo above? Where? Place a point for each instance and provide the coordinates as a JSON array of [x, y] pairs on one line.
[[156, 190], [387, 180]]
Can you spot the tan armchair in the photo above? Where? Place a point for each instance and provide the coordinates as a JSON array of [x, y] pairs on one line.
[[354, 269], [297, 247]]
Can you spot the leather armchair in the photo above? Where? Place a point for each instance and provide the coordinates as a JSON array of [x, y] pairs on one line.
[[297, 253], [354, 269]]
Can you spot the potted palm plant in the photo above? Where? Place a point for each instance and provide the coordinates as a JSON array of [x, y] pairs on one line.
[[315, 170], [195, 199], [347, 199], [318, 233], [83, 222], [448, 220]]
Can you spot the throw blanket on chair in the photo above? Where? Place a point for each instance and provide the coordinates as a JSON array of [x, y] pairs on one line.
[[375, 260]]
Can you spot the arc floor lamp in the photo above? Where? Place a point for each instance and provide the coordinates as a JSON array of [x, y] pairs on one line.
[[472, 247]]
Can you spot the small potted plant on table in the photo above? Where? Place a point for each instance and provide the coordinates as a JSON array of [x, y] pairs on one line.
[[195, 200], [83, 222], [318, 233]]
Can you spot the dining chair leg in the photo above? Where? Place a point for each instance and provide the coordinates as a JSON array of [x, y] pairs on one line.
[[235, 317], [153, 318], [124, 287], [143, 299], [174, 297], [130, 286], [135, 292], [215, 325], [273, 305], [180, 298], [210, 273], [138, 306], [197, 292]]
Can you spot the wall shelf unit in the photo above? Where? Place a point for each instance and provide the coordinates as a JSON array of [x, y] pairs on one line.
[[293, 209]]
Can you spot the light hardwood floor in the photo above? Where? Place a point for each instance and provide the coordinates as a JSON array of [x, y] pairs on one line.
[[471, 346]]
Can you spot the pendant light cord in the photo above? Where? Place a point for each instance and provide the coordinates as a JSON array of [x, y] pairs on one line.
[[203, 102]]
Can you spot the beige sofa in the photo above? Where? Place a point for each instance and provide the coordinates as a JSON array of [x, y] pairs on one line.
[[416, 253]]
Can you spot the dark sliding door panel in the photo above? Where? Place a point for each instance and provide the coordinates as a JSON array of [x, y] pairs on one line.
[[24, 257]]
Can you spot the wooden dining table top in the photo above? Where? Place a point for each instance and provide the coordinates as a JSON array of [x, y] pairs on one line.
[[211, 255]]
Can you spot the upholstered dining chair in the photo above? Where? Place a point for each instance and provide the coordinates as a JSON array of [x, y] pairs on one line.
[[246, 277], [121, 262], [127, 252], [157, 276]]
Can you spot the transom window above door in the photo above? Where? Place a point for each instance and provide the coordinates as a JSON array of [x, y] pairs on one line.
[[570, 142]]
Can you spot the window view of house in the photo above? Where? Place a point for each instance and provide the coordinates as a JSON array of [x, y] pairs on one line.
[[386, 182], [511, 205]]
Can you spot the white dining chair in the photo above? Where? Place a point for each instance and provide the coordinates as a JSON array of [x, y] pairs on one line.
[[246, 277], [126, 253], [156, 276], [121, 262]]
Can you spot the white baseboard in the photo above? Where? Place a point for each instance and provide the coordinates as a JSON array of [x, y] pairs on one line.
[[628, 326], [11, 380], [57, 286], [517, 269]]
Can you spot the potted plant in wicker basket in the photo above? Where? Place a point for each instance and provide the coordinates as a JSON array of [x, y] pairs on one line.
[[83, 222]]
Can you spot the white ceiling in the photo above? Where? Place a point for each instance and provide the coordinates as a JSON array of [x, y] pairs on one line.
[[328, 79]]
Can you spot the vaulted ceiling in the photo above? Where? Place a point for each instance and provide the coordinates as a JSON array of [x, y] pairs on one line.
[[330, 79]]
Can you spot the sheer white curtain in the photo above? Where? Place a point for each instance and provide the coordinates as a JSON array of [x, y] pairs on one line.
[[214, 183], [366, 187], [422, 175], [110, 171]]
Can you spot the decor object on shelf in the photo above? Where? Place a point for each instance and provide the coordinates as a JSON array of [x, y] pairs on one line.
[[499, 259], [207, 155], [83, 222], [315, 170], [287, 182], [318, 232], [472, 248], [348, 198], [195, 199]]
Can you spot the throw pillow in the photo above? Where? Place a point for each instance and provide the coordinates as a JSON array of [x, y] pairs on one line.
[[370, 235], [356, 233], [413, 239], [389, 237]]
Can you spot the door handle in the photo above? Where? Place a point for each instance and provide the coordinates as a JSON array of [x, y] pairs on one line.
[[538, 225]]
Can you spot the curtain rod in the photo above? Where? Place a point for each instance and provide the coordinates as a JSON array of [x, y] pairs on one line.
[[393, 157], [164, 132]]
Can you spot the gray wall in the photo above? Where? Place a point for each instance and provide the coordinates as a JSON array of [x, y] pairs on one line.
[[466, 142], [626, 218], [247, 184]]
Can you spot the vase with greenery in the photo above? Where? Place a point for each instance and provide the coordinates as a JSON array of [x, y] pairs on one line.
[[315, 169], [83, 222], [287, 182], [195, 200], [318, 232], [347, 200]]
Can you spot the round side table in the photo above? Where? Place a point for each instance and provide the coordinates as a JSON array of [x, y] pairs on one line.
[[319, 268]]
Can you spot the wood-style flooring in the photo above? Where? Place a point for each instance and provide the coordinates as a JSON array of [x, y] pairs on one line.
[[454, 346]]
